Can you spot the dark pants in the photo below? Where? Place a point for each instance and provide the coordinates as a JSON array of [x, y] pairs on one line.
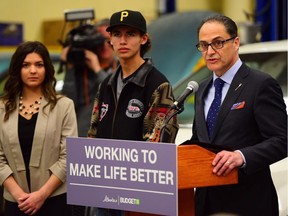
[[55, 206], [109, 212], [1, 202]]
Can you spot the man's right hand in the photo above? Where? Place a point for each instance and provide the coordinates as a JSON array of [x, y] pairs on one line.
[[92, 61]]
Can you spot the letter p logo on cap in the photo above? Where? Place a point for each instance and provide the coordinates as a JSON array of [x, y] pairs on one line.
[[123, 15], [133, 19]]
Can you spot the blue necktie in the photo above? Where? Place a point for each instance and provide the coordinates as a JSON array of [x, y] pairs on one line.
[[215, 106]]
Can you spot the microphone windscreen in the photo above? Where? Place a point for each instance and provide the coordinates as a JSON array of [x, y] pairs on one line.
[[192, 85]]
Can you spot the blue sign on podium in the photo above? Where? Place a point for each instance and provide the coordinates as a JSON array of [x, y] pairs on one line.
[[119, 174]]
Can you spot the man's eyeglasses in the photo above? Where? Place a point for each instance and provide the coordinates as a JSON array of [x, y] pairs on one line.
[[217, 44]]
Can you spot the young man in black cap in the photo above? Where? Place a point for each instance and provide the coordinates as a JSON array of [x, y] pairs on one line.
[[134, 102]]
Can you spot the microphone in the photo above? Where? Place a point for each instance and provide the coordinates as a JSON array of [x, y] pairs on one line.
[[191, 87]]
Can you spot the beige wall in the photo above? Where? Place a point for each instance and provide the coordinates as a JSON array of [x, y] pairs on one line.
[[186, 5], [235, 8], [231, 8], [33, 13]]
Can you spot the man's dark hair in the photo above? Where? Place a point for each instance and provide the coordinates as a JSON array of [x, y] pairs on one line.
[[229, 24], [102, 22], [145, 47]]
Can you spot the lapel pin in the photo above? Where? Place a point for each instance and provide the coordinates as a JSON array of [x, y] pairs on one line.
[[238, 86]]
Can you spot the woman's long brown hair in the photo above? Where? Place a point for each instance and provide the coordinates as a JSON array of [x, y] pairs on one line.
[[14, 84]]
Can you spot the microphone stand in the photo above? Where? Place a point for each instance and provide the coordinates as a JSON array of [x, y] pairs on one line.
[[177, 110]]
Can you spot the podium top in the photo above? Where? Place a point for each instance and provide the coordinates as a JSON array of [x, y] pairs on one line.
[[195, 168]]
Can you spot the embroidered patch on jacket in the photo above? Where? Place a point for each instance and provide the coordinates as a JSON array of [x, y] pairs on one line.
[[96, 109], [159, 122], [104, 110], [134, 109], [239, 105]]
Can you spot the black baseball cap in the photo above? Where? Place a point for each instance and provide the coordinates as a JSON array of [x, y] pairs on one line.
[[130, 18]]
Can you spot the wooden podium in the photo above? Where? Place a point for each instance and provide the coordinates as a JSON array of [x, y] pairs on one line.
[[194, 170]]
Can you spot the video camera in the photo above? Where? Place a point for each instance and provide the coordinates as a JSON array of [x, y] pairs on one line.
[[85, 36]]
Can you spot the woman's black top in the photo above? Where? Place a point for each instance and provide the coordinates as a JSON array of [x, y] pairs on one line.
[[26, 130]]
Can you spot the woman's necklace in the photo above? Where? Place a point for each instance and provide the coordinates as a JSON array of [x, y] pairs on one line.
[[31, 109]]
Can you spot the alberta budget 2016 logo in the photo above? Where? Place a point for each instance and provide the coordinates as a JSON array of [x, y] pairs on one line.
[[122, 200]]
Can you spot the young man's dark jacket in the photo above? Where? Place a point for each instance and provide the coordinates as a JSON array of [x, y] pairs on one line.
[[140, 111]]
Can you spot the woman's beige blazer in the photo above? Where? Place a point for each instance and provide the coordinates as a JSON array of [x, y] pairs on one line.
[[48, 154]]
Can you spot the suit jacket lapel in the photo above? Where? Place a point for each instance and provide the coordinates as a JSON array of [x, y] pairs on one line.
[[202, 120], [237, 85], [38, 140], [39, 135], [14, 139]]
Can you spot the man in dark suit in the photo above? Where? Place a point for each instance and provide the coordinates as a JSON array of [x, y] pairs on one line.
[[251, 125]]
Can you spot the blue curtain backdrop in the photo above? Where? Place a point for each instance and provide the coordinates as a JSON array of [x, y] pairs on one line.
[[272, 15], [170, 6], [166, 6]]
